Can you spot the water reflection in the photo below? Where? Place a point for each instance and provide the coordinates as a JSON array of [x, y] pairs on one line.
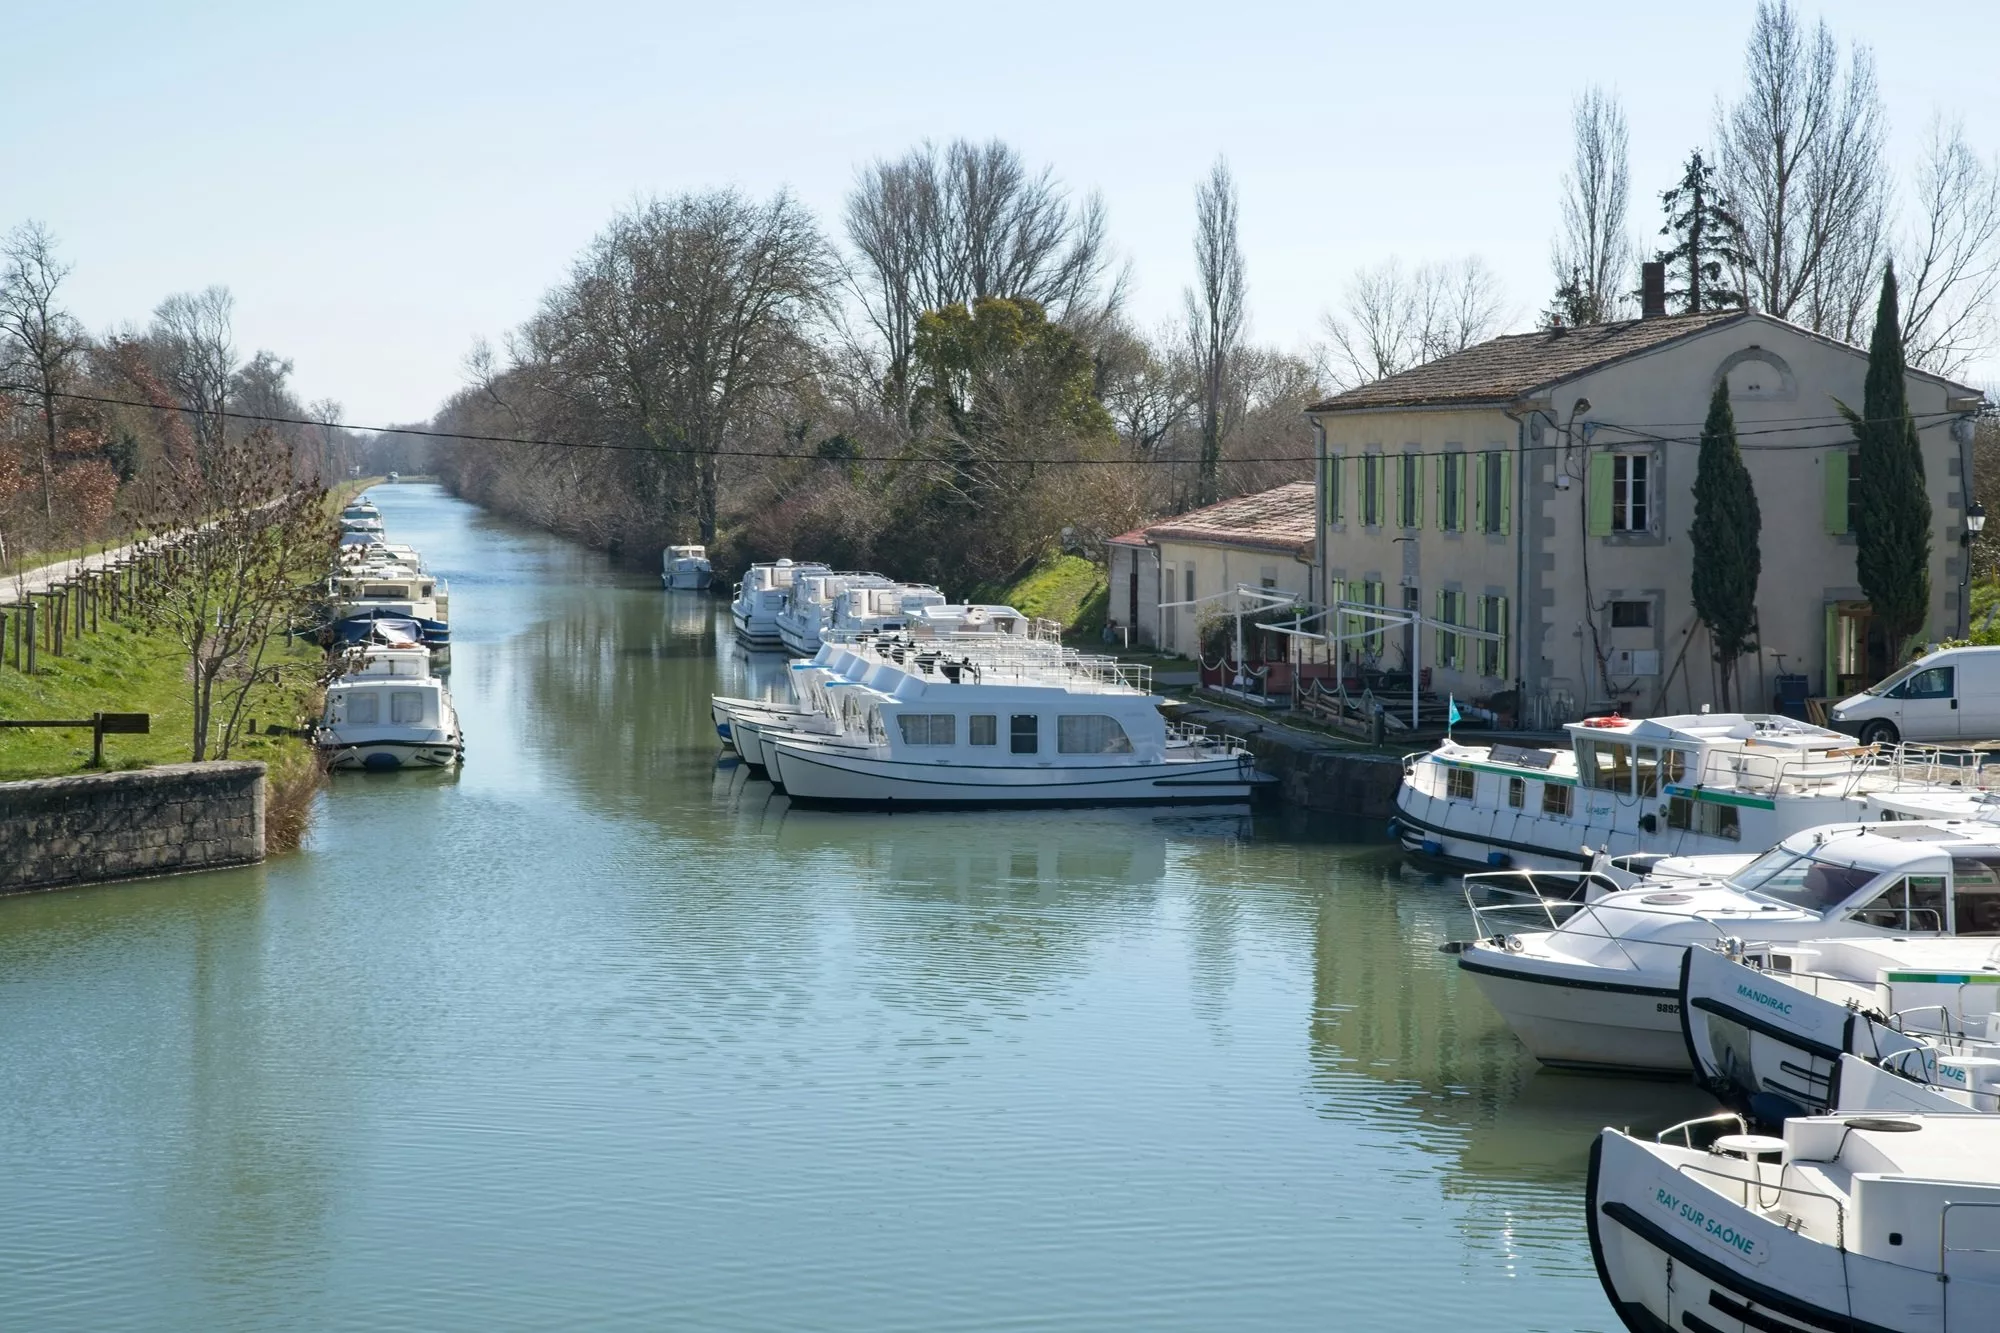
[[604, 1032]]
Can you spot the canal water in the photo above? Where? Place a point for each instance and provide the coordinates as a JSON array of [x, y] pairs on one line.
[[600, 1034]]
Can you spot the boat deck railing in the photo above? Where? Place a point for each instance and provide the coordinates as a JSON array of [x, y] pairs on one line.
[[1197, 737], [1848, 772], [1581, 919]]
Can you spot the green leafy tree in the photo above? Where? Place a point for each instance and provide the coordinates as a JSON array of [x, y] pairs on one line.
[[1892, 527], [1727, 524], [1705, 233]]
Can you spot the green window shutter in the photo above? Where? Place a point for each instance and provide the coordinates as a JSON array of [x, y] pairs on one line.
[[1506, 465], [1336, 476], [1479, 493], [1464, 488], [1500, 620], [1600, 495], [1835, 463], [1417, 493], [1443, 471]]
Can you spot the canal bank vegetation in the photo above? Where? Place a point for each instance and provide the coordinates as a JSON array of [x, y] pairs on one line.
[[943, 383]]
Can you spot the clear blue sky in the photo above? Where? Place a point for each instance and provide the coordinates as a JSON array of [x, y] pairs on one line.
[[380, 183]]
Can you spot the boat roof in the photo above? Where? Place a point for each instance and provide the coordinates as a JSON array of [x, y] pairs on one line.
[[1898, 842], [1711, 728], [1964, 1148]]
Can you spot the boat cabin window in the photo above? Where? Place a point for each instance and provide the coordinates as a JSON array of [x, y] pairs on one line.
[[877, 733], [1517, 793], [1915, 903], [1605, 765], [1555, 799], [1024, 733], [1458, 783], [983, 729], [928, 728], [1975, 895], [1090, 733], [1716, 820], [1798, 880], [406, 707], [383, 590], [361, 707]]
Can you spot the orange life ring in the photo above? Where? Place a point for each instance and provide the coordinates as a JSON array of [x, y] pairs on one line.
[[1614, 720]]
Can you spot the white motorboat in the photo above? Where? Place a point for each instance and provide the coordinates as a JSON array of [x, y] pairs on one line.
[[1862, 1223], [910, 725], [761, 595], [686, 568], [1596, 984], [808, 610], [388, 711], [1766, 1026], [840, 607], [389, 588], [1689, 785]]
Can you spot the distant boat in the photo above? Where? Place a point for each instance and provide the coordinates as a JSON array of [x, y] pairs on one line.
[[395, 477], [686, 567], [389, 712]]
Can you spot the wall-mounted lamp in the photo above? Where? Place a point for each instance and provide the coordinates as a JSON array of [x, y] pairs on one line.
[[1562, 481], [1975, 523]]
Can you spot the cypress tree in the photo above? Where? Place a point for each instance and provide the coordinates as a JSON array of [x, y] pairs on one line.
[[1892, 526], [1724, 535]]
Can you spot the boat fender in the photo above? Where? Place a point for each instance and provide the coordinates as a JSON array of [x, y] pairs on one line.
[[1500, 860], [1432, 847], [1395, 828]]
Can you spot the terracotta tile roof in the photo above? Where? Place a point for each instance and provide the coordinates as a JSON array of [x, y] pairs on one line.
[[1507, 368], [1136, 537], [1280, 519]]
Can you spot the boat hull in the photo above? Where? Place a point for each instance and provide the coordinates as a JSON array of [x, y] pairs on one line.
[[1575, 1022], [688, 580], [1675, 1252], [386, 756], [757, 631], [831, 776]]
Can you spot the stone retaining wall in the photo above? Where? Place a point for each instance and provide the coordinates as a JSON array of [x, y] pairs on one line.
[[60, 832]]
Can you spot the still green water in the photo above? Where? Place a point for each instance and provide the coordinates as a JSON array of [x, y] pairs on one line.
[[599, 1034]]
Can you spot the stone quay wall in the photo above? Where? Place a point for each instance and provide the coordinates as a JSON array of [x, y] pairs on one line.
[[56, 833]]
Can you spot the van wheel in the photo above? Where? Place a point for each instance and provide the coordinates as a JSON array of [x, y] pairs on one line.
[[1879, 733]]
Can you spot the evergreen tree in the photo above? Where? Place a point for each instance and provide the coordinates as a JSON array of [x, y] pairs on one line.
[[1705, 233], [1727, 559], [1892, 526]]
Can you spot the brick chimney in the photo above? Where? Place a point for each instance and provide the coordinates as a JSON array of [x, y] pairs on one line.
[[1652, 290]]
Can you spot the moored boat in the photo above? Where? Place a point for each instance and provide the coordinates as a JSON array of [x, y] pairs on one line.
[[1871, 1223], [1596, 984], [388, 711], [686, 568], [1695, 784], [761, 595]]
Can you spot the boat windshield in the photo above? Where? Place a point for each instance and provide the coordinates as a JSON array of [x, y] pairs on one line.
[[1797, 879]]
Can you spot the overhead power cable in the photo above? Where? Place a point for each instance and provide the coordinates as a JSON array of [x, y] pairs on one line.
[[470, 437]]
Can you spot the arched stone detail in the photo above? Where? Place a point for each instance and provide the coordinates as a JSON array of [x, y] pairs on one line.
[[1784, 390]]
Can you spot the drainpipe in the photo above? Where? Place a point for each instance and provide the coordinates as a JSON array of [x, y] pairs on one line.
[[1962, 431], [1321, 555]]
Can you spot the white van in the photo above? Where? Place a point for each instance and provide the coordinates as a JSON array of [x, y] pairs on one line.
[[1948, 696]]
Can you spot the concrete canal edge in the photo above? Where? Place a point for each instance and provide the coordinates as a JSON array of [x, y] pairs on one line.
[[1336, 782], [56, 833]]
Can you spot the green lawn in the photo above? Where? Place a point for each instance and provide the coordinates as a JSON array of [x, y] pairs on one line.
[[124, 669], [1067, 589]]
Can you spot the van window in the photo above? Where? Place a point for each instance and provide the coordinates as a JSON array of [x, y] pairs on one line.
[[1930, 683]]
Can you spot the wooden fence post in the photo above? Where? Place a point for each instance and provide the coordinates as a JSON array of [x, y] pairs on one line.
[[31, 636]]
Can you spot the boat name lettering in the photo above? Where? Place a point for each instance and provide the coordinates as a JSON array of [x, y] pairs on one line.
[[1768, 1001], [1953, 1073], [1715, 1228], [1667, 1007]]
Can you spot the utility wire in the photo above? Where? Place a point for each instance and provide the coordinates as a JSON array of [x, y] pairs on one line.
[[1811, 424]]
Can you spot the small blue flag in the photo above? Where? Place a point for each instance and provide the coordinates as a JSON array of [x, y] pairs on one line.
[[1451, 719]]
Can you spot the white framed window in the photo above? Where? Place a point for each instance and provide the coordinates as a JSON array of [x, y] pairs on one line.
[[1090, 733], [1632, 492], [928, 728], [982, 729]]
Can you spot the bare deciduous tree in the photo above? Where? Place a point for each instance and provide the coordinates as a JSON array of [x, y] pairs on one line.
[[41, 345], [1147, 386], [1950, 257], [1393, 318], [1215, 314], [192, 348], [1592, 255], [952, 225], [1802, 164]]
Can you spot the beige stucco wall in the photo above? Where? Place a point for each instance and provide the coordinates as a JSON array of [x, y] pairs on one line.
[[1784, 383], [1466, 560], [1217, 569]]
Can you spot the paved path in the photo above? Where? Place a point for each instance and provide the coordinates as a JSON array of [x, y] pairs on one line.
[[13, 587]]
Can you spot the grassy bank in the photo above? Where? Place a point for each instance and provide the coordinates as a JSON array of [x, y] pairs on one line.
[[1067, 589], [126, 669]]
